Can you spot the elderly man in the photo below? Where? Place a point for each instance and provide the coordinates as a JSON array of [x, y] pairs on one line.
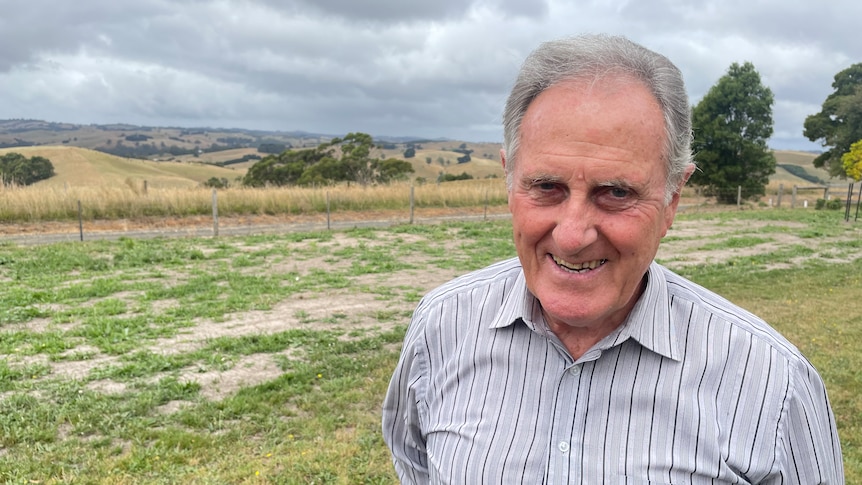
[[583, 361]]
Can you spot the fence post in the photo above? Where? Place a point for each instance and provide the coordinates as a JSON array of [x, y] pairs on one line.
[[485, 215], [145, 187], [80, 221], [327, 211], [858, 201], [738, 196], [793, 198], [412, 200], [215, 212], [847, 205], [780, 191], [826, 193]]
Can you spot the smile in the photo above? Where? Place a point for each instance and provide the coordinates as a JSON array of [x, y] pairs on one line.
[[581, 267]]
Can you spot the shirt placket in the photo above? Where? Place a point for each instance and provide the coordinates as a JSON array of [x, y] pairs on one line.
[[565, 445]]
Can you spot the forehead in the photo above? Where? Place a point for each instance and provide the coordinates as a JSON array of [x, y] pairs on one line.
[[605, 120]]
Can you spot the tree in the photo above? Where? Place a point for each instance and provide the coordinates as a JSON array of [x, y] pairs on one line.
[[410, 152], [839, 122], [272, 148], [20, 170], [355, 148], [852, 161], [285, 168], [393, 169], [731, 125], [321, 166], [217, 183]]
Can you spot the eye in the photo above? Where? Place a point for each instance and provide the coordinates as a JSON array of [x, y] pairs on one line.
[[546, 192], [619, 192], [615, 198]]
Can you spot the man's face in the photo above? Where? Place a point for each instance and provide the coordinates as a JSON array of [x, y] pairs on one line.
[[587, 200]]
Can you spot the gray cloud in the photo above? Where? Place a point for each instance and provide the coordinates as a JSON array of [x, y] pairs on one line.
[[386, 67]]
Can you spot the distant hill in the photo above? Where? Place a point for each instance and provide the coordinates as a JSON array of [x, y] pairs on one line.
[[235, 149], [188, 156], [146, 142], [797, 168], [82, 167]]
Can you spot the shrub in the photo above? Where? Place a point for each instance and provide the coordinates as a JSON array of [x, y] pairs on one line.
[[217, 183], [831, 204]]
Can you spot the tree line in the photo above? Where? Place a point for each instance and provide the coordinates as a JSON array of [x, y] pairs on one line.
[[345, 159], [733, 122]]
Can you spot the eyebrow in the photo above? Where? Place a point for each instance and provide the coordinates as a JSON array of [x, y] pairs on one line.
[[540, 178], [617, 183]]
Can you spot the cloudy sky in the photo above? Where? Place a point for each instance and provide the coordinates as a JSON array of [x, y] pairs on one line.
[[425, 68]]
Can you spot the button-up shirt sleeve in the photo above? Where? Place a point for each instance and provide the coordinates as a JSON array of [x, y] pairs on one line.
[[402, 428], [809, 451]]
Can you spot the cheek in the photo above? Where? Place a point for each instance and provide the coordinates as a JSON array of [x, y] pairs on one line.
[[531, 224]]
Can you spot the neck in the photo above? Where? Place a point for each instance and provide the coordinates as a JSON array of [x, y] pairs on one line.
[[578, 339]]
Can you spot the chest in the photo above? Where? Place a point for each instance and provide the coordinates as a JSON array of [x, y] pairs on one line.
[[512, 409]]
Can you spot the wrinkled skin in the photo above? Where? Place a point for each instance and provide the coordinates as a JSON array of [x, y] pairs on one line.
[[588, 203]]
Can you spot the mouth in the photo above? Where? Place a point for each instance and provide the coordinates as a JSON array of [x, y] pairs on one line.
[[579, 267]]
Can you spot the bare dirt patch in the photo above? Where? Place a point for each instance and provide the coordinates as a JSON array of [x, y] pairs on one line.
[[248, 371], [685, 243]]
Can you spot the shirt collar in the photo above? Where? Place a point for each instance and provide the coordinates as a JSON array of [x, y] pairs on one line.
[[650, 322]]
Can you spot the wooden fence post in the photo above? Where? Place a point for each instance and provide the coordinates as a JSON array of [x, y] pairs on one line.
[[858, 201], [485, 215], [412, 200], [80, 221], [215, 213], [327, 211], [780, 191], [738, 196], [793, 198]]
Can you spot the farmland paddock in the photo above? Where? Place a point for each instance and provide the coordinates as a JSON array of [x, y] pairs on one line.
[[264, 358]]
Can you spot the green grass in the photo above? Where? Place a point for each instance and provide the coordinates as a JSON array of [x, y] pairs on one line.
[[98, 378]]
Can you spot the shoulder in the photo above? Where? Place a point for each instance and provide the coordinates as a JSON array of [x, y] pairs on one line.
[[464, 303], [703, 305], [494, 277]]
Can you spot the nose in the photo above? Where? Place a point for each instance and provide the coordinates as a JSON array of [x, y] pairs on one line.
[[577, 226]]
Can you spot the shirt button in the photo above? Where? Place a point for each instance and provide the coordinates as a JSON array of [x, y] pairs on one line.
[[563, 446], [575, 370]]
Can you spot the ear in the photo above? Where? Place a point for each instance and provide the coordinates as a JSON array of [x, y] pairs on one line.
[[503, 159], [670, 210], [688, 171]]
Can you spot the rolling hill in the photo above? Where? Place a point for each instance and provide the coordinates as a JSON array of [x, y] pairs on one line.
[[82, 167], [786, 174], [183, 157]]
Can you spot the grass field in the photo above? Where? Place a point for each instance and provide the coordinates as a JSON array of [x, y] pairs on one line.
[[264, 359], [80, 168], [131, 201]]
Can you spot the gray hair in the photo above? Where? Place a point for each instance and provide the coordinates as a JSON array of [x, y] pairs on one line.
[[591, 57]]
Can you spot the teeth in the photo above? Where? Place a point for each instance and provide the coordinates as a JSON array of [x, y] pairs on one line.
[[580, 267]]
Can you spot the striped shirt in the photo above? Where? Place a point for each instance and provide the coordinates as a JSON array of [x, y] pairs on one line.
[[689, 389]]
